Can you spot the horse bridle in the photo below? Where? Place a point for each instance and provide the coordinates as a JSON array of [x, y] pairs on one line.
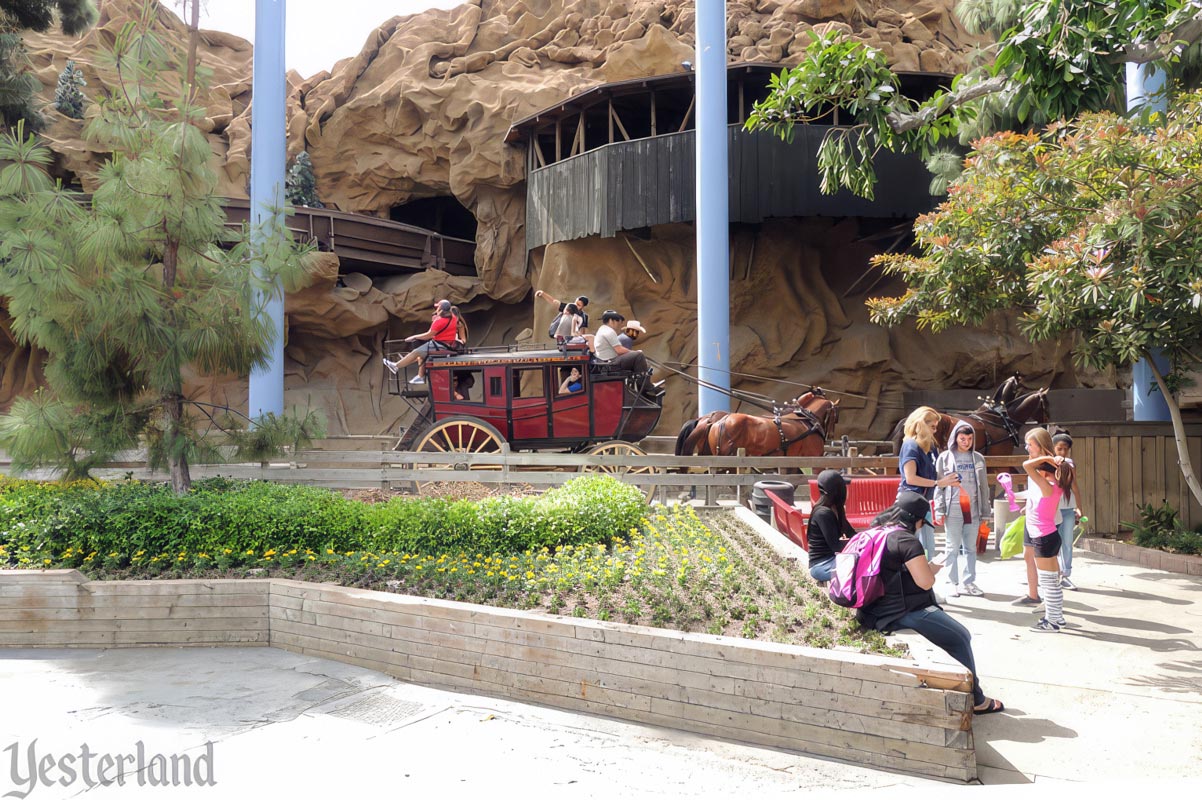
[[1007, 423]]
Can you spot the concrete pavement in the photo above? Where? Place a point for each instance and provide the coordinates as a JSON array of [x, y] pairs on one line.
[[1115, 698]]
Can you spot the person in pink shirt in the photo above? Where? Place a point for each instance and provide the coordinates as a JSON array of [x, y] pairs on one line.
[[1049, 477]]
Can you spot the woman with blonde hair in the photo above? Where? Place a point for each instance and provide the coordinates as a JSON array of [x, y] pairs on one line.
[[916, 463], [1049, 476]]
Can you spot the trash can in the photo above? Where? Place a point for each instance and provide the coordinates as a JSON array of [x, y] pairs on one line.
[[760, 503], [1002, 517]]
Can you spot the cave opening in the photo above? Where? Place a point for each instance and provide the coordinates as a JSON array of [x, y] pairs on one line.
[[443, 214]]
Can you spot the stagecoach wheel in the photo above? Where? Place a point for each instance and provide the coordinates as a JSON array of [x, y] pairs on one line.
[[460, 435], [616, 447]]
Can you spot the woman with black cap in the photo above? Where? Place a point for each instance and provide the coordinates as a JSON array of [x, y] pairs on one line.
[[828, 529], [909, 602]]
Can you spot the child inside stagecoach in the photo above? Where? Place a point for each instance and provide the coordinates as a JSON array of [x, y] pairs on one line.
[[442, 335], [572, 383]]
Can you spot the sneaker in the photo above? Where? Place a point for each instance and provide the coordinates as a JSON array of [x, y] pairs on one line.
[[391, 366], [954, 591], [972, 590], [1046, 626], [417, 379], [1027, 601], [1065, 583]]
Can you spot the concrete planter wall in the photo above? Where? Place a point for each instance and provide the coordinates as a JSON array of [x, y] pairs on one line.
[[865, 709]]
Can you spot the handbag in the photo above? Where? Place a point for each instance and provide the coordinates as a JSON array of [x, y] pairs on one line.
[[982, 537], [1012, 539]]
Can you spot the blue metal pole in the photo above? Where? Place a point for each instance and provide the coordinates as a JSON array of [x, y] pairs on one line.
[[268, 145], [713, 209], [1146, 89]]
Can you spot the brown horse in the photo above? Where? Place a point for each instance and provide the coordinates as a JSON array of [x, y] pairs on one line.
[[997, 427], [693, 439], [799, 433]]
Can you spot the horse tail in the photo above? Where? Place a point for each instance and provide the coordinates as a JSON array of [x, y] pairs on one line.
[[686, 430]]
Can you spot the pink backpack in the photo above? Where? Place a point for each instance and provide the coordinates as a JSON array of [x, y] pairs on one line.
[[856, 579]]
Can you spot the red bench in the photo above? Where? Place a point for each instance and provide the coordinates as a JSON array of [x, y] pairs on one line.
[[790, 520], [866, 498]]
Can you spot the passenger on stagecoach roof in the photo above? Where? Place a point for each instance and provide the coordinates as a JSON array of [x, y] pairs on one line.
[[608, 349], [631, 333], [580, 302], [440, 336]]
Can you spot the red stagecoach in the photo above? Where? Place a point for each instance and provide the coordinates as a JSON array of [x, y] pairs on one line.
[[472, 401]]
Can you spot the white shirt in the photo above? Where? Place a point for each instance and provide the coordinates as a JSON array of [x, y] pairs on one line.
[[605, 342]]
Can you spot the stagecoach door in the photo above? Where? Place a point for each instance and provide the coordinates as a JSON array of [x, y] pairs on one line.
[[570, 418], [528, 406]]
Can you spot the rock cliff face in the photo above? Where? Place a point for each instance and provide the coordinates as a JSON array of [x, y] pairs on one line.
[[422, 112]]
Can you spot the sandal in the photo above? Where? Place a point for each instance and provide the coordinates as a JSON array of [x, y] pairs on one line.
[[991, 707]]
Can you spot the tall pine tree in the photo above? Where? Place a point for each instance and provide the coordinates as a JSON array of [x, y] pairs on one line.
[[126, 292]]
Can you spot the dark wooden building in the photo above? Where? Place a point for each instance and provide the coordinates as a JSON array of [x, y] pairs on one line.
[[621, 156]]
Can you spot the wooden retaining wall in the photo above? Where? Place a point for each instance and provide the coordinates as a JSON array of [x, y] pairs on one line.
[[868, 710]]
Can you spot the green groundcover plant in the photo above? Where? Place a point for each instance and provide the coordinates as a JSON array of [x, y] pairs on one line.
[[588, 549]]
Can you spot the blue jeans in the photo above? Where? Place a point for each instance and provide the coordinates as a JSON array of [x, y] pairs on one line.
[[958, 534], [821, 570], [1068, 524], [937, 627], [926, 536]]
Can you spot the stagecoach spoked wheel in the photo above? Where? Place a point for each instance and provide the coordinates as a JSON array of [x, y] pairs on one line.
[[617, 447], [464, 435]]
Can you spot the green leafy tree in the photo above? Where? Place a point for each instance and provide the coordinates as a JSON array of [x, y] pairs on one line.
[[1089, 229], [1059, 58], [18, 89], [68, 95], [125, 292], [301, 184]]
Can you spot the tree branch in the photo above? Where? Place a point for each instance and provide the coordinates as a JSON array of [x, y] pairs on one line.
[[1186, 33], [902, 123]]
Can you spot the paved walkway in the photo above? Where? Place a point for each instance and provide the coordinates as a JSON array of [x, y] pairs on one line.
[[1115, 698]]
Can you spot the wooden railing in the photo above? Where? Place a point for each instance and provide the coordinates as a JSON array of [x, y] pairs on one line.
[[709, 478]]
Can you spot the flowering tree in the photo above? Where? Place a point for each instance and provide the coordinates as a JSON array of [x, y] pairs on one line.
[[1089, 229]]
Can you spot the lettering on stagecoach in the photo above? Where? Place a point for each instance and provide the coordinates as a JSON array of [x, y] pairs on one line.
[[500, 362]]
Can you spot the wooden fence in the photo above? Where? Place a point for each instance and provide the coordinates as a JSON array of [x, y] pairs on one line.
[[1123, 466], [708, 478]]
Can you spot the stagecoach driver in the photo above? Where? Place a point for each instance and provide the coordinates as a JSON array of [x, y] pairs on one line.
[[634, 329], [607, 348]]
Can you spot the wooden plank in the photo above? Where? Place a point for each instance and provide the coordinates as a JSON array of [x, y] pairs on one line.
[[1137, 478], [1153, 482], [1105, 485], [1194, 516]]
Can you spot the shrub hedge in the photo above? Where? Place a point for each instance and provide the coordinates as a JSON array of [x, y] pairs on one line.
[[47, 519]]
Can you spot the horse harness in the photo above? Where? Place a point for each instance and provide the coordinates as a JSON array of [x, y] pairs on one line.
[[805, 415], [999, 410]]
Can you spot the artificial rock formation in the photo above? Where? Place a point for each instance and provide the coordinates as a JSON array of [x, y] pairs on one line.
[[423, 111]]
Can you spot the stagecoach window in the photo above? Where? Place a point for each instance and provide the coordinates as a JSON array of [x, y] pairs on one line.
[[464, 383], [528, 383], [494, 387]]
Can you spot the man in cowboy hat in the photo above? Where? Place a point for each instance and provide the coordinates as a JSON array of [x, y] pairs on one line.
[[631, 333]]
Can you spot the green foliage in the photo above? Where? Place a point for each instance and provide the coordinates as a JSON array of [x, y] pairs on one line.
[[300, 185], [18, 87], [1054, 59], [1161, 529], [126, 292], [269, 434], [219, 514], [68, 95], [1088, 229]]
